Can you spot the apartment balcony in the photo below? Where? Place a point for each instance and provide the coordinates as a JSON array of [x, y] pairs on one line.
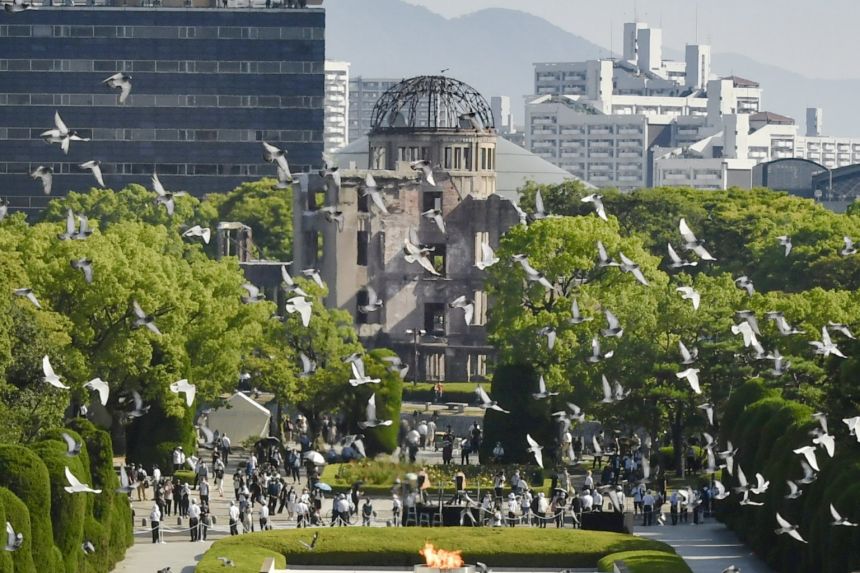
[[600, 144], [543, 121], [600, 178], [629, 178], [600, 131], [543, 131], [630, 154], [572, 154], [600, 154], [629, 131], [572, 131]]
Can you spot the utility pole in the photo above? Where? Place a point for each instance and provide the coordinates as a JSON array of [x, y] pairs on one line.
[[416, 333]]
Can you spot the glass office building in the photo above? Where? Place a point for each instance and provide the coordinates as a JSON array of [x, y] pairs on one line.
[[208, 85]]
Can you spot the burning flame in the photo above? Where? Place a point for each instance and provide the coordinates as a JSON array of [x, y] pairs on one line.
[[441, 559]]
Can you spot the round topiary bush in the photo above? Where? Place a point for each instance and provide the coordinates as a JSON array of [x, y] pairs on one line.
[[26, 476], [19, 516], [5, 556]]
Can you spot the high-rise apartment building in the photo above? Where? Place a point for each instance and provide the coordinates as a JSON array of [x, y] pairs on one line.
[[363, 95], [336, 105], [208, 85]]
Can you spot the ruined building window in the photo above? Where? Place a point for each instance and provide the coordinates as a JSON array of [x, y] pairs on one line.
[[481, 238], [434, 366], [467, 157], [477, 366], [362, 202], [431, 200], [447, 163], [480, 318], [483, 158], [378, 158], [458, 158], [434, 318], [361, 299], [437, 259], [362, 244]]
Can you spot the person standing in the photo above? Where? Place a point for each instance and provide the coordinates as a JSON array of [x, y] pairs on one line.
[[204, 491], [264, 517], [194, 520], [225, 449], [168, 496], [648, 508], [155, 520], [367, 513], [499, 484], [396, 509], [177, 459], [233, 515], [673, 507], [542, 507], [218, 468]]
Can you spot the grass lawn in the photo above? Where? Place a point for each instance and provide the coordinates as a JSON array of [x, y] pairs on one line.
[[459, 387], [646, 561], [398, 547]]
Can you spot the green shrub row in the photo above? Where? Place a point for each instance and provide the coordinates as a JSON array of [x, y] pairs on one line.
[[646, 561], [766, 428], [55, 523]]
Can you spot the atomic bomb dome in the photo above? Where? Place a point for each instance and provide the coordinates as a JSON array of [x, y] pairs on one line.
[[432, 103]]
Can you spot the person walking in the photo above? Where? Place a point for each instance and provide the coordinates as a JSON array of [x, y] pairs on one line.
[[396, 509], [233, 515], [177, 459], [367, 513], [673, 507], [218, 467], [155, 521]]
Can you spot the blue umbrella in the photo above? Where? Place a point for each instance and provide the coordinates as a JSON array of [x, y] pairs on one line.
[[322, 486]]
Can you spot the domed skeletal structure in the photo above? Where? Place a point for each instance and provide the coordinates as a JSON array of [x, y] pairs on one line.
[[432, 103]]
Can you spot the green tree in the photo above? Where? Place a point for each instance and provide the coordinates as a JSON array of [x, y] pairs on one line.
[[263, 207]]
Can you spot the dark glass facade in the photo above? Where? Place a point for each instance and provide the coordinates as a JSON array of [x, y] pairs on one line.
[[207, 86]]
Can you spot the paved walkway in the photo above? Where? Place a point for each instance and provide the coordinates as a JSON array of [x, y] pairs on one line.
[[707, 548]]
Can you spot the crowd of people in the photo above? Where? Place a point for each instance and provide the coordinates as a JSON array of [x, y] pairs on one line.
[[269, 482]]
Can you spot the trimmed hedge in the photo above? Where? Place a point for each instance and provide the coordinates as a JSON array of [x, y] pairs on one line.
[[151, 439], [766, 428], [25, 475], [56, 523], [512, 387], [645, 562], [19, 516], [453, 392], [667, 457], [5, 556], [398, 547]]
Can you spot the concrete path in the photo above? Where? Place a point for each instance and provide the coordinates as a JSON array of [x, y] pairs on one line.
[[707, 548], [181, 557]]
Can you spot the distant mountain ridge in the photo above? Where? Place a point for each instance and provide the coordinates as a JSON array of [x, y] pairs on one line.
[[494, 49]]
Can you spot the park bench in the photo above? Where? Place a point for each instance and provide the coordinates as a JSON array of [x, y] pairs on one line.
[[460, 407]]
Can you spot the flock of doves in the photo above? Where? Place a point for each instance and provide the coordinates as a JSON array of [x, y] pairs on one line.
[[748, 327]]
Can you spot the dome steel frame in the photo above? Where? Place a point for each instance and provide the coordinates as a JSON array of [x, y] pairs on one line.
[[430, 103]]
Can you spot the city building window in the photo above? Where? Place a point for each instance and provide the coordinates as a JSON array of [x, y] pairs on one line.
[[431, 200], [434, 318], [362, 245], [434, 366]]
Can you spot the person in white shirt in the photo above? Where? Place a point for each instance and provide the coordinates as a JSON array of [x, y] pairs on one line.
[[194, 520], [586, 502], [264, 517], [396, 509], [542, 507], [343, 510], [155, 520], [234, 518], [177, 458], [648, 508], [302, 510], [589, 481], [597, 498], [526, 506]]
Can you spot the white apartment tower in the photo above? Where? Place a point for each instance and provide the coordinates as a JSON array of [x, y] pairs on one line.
[[336, 132], [698, 62], [814, 120]]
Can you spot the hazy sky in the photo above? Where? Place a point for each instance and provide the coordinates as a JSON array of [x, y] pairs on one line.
[[816, 39]]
